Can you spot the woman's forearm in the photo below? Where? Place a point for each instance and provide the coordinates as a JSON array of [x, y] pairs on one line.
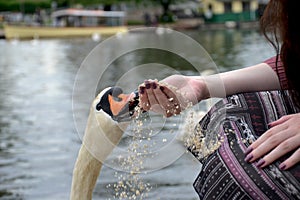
[[259, 77], [197, 88]]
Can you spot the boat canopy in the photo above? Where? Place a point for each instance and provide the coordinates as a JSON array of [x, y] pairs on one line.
[[87, 13], [87, 18]]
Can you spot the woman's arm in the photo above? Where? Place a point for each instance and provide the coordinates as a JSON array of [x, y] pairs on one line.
[[259, 77], [172, 94]]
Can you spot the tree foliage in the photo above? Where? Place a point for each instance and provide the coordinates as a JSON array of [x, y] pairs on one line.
[[30, 6], [24, 6]]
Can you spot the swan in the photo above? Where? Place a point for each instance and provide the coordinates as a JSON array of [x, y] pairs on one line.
[[109, 115]]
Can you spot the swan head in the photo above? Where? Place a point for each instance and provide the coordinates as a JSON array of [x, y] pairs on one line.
[[118, 106]]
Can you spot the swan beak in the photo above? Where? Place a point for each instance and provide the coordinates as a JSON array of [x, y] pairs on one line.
[[122, 106]]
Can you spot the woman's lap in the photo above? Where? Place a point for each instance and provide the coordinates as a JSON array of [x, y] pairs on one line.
[[238, 120]]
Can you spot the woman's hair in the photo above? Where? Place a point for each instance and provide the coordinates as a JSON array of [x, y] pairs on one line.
[[279, 24]]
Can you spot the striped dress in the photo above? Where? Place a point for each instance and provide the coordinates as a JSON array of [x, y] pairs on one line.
[[239, 120]]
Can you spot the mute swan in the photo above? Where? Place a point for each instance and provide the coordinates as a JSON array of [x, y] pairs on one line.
[[109, 115]]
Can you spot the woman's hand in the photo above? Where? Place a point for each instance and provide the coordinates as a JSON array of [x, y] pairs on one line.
[[171, 95], [283, 137]]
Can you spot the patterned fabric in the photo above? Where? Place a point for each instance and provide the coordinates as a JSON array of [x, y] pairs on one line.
[[239, 120]]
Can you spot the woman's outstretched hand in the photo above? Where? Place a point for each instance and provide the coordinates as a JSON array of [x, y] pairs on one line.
[[171, 95], [283, 137]]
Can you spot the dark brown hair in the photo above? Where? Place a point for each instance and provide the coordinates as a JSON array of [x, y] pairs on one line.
[[279, 25]]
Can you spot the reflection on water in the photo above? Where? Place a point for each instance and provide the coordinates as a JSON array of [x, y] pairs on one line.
[[36, 123], [38, 139]]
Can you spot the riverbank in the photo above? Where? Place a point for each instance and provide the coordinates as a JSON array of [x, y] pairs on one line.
[[230, 25], [192, 24]]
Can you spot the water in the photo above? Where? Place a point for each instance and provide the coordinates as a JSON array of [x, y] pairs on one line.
[[38, 138]]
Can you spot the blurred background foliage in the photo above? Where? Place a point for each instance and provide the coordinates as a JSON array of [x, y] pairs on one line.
[[30, 6]]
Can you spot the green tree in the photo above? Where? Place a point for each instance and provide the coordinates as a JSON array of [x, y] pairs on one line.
[[24, 6], [167, 16], [30, 6]]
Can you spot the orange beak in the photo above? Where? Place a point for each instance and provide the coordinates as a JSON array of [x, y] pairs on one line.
[[117, 105]]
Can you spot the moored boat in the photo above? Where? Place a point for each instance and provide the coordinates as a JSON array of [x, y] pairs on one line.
[[72, 23]]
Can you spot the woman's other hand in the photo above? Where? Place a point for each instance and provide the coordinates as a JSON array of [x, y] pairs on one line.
[[283, 137]]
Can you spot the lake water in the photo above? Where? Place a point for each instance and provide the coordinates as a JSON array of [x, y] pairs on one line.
[[39, 140]]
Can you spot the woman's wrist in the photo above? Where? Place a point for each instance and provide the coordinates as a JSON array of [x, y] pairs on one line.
[[199, 87]]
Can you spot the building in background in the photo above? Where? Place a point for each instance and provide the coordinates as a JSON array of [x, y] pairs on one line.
[[232, 12]]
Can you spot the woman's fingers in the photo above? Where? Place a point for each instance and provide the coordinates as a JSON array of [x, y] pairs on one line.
[[268, 141], [168, 101], [280, 120], [291, 161], [153, 95], [282, 149], [281, 139], [158, 98], [144, 103]]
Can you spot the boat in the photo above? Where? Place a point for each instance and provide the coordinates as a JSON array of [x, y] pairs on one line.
[[71, 23]]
